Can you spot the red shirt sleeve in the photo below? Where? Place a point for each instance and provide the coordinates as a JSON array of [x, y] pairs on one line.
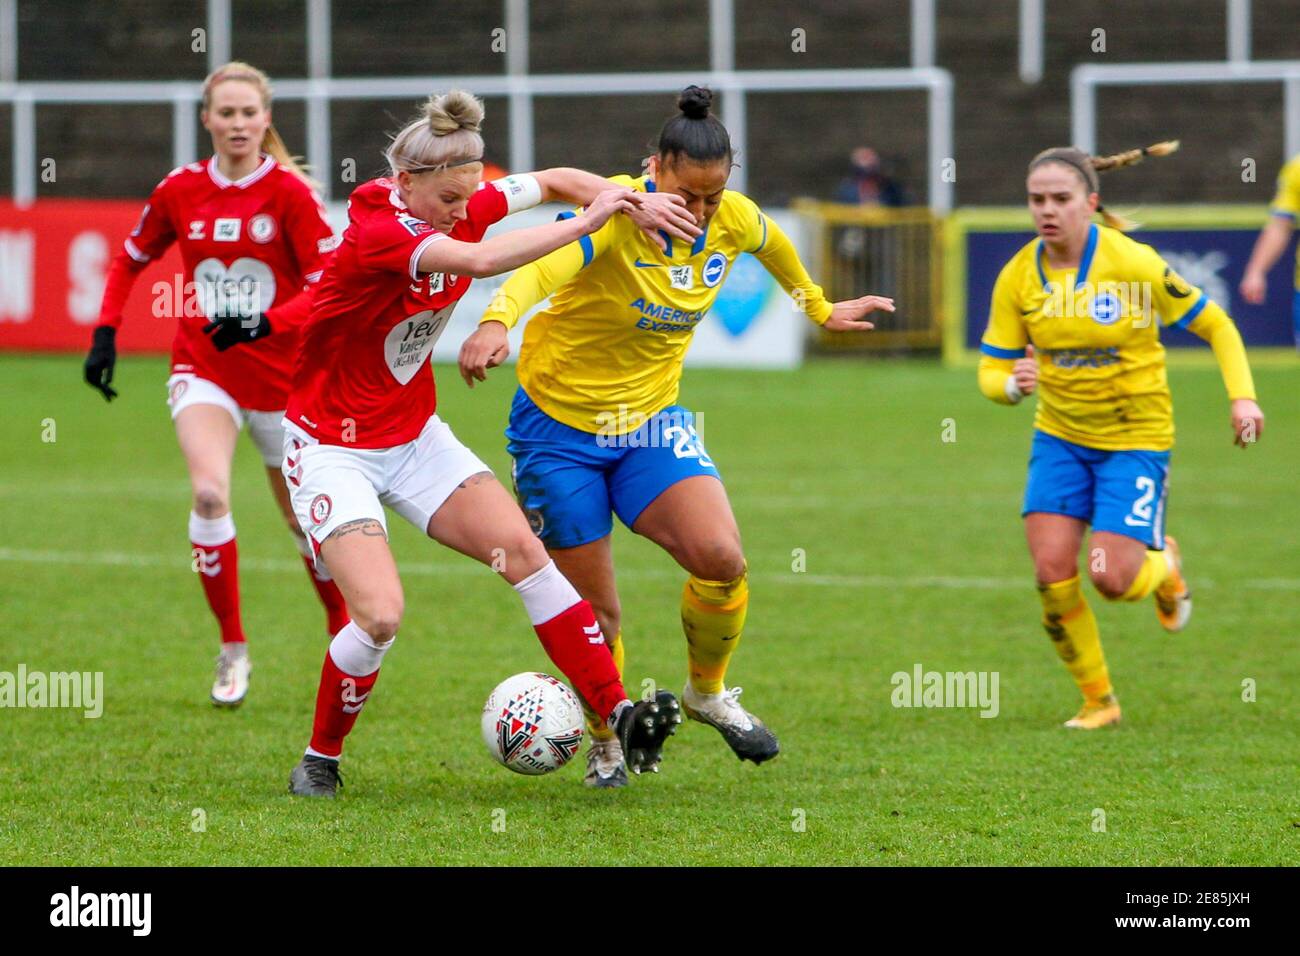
[[155, 231], [392, 242], [147, 241], [488, 205]]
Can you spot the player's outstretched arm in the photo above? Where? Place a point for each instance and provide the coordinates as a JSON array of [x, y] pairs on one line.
[[511, 250], [654, 211], [487, 347], [1215, 327], [850, 315], [1270, 245], [780, 258]]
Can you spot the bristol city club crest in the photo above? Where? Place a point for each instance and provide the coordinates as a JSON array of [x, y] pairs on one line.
[[261, 228], [321, 506]]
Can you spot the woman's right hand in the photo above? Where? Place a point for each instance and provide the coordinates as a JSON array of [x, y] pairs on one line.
[[1025, 372], [606, 204]]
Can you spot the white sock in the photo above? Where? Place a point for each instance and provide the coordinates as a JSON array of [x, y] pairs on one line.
[[547, 593], [612, 722], [355, 652], [211, 532]]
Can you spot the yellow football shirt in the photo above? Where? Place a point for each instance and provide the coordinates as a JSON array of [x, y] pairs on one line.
[[608, 351], [1096, 335], [1287, 201]]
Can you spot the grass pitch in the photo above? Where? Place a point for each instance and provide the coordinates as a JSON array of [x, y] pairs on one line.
[[912, 553]]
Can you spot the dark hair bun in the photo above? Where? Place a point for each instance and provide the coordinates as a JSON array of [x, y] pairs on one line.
[[695, 101]]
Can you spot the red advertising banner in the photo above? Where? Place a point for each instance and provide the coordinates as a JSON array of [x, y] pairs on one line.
[[54, 257]]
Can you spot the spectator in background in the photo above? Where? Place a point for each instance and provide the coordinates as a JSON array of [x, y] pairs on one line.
[[868, 184], [1272, 242]]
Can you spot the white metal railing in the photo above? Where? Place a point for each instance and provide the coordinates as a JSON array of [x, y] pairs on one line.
[[1031, 40], [1032, 25], [521, 87], [8, 41], [1084, 81], [1239, 19]]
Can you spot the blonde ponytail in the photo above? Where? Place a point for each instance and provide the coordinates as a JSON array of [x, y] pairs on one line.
[[1089, 166], [271, 143], [275, 148], [1131, 157]]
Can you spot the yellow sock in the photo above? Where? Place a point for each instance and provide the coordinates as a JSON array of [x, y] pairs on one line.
[[1070, 624], [713, 616], [596, 725], [1150, 576]]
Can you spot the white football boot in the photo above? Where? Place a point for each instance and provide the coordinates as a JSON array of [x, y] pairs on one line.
[[233, 667]]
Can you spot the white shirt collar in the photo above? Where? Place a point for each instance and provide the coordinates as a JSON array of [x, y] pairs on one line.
[[268, 163]]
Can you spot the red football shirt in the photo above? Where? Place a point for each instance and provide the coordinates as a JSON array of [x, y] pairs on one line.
[[362, 376], [248, 246]]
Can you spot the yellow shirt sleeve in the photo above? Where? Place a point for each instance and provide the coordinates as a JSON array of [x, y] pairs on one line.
[[1184, 306], [1004, 339], [1214, 325], [1287, 200], [533, 282], [993, 375], [772, 247]]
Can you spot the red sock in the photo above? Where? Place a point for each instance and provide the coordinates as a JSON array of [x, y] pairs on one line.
[[218, 567], [338, 703], [336, 609], [589, 666]]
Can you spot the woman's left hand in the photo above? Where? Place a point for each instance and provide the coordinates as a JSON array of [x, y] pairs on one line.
[[850, 315], [1247, 421]]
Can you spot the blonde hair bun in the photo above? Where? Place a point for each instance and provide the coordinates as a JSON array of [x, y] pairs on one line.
[[450, 112]]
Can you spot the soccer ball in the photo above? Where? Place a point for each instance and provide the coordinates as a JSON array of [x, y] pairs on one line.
[[532, 723]]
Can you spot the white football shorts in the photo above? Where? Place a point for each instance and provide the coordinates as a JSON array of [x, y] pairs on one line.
[[265, 428], [331, 485]]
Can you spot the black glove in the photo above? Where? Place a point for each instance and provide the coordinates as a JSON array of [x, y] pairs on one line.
[[232, 330], [100, 361]]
